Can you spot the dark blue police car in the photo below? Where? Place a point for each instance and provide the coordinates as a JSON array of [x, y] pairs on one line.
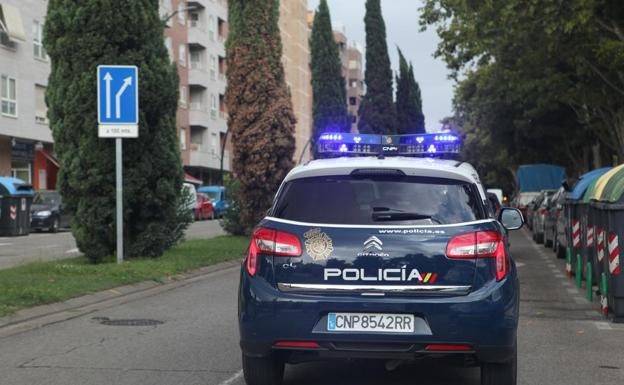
[[377, 253]]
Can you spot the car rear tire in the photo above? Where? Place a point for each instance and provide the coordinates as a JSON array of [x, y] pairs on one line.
[[500, 374], [263, 371], [55, 225]]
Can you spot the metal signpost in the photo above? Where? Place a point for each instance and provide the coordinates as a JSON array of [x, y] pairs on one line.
[[118, 117]]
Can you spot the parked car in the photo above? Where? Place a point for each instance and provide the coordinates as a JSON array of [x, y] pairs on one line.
[[204, 208], [555, 224], [218, 197], [498, 192], [538, 215], [48, 213], [523, 200]]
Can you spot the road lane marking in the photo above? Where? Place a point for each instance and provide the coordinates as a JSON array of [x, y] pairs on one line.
[[572, 290], [235, 377], [559, 275], [580, 301]]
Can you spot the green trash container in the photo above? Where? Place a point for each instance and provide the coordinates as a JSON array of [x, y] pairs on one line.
[[612, 204], [15, 200]]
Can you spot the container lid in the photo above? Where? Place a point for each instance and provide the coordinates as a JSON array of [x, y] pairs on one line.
[[585, 181], [590, 190], [15, 187], [602, 182], [614, 188]]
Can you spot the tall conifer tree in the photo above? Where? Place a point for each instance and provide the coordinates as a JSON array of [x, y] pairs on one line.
[[261, 117], [329, 95], [410, 119], [377, 111], [78, 37]]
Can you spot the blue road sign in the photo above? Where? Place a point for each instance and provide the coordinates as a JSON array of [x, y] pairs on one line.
[[118, 95]]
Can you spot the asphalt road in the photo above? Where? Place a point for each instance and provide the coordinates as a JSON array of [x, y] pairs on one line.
[[562, 340], [46, 246]]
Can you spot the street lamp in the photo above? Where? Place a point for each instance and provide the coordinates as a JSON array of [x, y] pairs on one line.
[[187, 9]]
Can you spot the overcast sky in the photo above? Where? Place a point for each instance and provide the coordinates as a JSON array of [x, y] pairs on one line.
[[401, 17]]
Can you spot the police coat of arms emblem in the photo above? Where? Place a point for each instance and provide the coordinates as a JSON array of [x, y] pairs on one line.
[[318, 244]]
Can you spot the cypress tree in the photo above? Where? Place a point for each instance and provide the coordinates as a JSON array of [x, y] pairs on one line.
[[377, 110], [410, 119], [261, 116], [415, 91], [329, 94], [78, 37]]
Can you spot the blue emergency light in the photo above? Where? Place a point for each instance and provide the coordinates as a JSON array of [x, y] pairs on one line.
[[431, 144]]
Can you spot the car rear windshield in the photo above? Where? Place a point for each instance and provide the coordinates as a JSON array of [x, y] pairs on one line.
[[378, 200]]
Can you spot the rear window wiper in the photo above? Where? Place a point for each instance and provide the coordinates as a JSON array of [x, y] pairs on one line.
[[388, 214]]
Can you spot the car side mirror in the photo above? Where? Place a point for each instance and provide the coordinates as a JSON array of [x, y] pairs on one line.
[[511, 218]]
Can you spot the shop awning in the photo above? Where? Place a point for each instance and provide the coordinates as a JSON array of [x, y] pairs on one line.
[[191, 179], [11, 22], [51, 158]]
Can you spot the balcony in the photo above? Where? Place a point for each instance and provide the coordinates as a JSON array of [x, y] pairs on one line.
[[197, 35], [197, 76], [204, 156], [198, 115]]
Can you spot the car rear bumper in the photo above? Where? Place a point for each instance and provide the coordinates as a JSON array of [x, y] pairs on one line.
[[485, 320], [40, 222]]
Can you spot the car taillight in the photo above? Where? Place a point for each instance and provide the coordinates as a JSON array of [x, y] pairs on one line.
[[273, 242], [542, 212], [480, 244]]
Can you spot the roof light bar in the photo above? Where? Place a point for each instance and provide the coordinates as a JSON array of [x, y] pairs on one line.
[[432, 144]]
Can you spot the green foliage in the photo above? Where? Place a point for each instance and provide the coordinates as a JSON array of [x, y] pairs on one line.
[[79, 37], [377, 111], [536, 79], [41, 283], [231, 218], [410, 119], [261, 117], [329, 94]]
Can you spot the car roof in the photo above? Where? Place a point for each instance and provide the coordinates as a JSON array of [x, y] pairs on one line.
[[426, 167]]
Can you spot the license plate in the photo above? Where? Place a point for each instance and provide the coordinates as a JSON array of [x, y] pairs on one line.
[[370, 322]]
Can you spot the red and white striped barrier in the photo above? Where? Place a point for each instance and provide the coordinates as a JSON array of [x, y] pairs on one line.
[[601, 245], [576, 234], [590, 236], [13, 212], [614, 254]]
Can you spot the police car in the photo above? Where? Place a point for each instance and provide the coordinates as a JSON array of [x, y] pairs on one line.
[[387, 249]]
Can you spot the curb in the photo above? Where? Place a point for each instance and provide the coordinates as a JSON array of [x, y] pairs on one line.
[[40, 316]]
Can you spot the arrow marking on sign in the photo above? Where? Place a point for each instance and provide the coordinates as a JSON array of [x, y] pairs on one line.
[[107, 79], [127, 82]]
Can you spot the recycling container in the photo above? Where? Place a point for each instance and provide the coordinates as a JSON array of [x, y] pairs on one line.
[[574, 210], [611, 202], [15, 200]]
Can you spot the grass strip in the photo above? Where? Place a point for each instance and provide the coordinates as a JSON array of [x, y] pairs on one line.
[[40, 283]]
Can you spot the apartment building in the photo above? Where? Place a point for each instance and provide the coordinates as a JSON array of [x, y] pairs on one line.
[[353, 73], [195, 38], [295, 34], [26, 145]]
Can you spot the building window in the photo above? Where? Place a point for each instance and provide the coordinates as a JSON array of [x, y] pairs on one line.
[[353, 118], [352, 101], [196, 59], [8, 96], [38, 49], [353, 83], [183, 96], [213, 106], [222, 67], [181, 13], [222, 28], [222, 107], [169, 48], [183, 138], [182, 55], [213, 67], [211, 27], [41, 109], [21, 169], [354, 65]]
